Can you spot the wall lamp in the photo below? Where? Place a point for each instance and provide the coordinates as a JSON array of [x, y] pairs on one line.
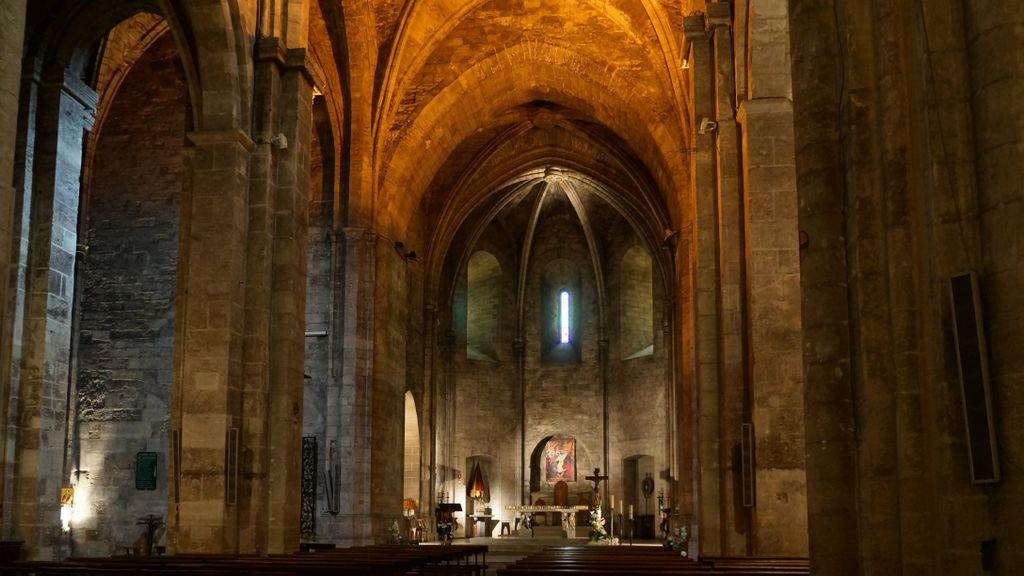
[[707, 126]]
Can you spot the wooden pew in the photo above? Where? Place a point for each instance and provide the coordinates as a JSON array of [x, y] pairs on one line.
[[396, 560], [648, 561]]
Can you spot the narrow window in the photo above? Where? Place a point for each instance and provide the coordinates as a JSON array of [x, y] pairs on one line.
[[563, 316]]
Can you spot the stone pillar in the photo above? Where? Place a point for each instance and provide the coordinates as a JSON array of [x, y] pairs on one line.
[[350, 425], [776, 370], [275, 302], [994, 36], [830, 447], [707, 289], [773, 315], [12, 20], [66, 108], [390, 339], [522, 476], [429, 420], [206, 405], [733, 386]]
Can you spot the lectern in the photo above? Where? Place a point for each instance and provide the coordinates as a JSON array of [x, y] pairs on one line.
[[446, 523]]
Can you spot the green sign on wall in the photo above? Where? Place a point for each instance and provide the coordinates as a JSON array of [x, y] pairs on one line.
[[145, 471]]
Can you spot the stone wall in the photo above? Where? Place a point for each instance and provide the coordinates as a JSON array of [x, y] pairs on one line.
[[564, 398], [319, 310], [906, 178], [487, 389], [126, 318], [506, 421], [637, 385]]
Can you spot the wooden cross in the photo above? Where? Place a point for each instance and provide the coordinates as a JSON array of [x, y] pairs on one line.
[[596, 479]]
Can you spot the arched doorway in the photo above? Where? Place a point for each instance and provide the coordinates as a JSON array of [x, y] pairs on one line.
[[411, 482]]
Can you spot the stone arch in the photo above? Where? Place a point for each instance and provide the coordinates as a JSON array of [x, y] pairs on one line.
[[124, 303], [506, 185], [217, 81], [482, 96], [56, 166], [426, 39], [214, 45]]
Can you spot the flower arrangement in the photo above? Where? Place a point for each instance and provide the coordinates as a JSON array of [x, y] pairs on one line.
[[597, 530], [677, 542], [394, 533]]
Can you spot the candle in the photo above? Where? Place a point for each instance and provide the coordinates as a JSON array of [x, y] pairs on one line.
[[612, 496], [630, 511]]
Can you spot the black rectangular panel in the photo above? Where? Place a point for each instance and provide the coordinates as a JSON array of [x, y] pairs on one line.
[[972, 359], [747, 464]]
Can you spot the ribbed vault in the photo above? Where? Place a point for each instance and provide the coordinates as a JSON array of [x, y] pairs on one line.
[[462, 78]]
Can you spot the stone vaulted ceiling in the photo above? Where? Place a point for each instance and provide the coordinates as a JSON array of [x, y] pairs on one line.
[[470, 96]]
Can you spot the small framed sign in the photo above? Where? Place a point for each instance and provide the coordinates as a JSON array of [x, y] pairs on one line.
[[145, 470]]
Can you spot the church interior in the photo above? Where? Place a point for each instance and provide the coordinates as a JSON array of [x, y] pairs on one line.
[[282, 272]]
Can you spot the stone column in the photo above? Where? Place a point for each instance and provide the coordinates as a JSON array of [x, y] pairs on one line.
[[707, 289], [773, 316], [733, 387], [259, 279], [275, 301], [12, 20], [429, 419], [349, 426], [994, 37], [390, 339], [776, 370], [206, 406], [65, 111], [830, 447]]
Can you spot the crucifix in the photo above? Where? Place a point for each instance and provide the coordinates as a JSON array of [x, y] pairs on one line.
[[596, 479]]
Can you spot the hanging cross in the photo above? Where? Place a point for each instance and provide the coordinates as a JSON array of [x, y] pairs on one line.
[[596, 479]]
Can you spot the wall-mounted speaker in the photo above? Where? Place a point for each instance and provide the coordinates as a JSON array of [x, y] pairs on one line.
[[176, 463], [972, 359], [231, 467], [747, 463]]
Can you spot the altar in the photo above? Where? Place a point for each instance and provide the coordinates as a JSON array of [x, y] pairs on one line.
[[481, 525], [568, 514]]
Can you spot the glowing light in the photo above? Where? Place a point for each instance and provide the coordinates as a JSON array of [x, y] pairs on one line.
[[564, 317], [65, 517]]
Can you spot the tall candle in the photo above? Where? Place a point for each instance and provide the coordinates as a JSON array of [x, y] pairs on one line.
[[612, 496], [630, 511]]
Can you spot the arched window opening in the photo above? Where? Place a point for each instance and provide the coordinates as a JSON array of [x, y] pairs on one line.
[[563, 316], [560, 315], [411, 484]]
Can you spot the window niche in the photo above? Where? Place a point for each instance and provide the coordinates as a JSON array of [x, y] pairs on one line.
[[636, 304], [483, 306], [560, 313]]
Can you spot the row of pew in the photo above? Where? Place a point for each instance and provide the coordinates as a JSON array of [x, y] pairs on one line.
[[383, 560], [648, 561]]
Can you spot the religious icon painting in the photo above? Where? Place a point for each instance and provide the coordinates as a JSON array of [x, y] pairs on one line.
[[560, 459]]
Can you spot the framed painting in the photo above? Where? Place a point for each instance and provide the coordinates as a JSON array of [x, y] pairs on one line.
[[560, 459]]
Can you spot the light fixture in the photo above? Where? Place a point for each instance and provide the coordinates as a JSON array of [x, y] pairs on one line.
[[707, 126], [67, 503]]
